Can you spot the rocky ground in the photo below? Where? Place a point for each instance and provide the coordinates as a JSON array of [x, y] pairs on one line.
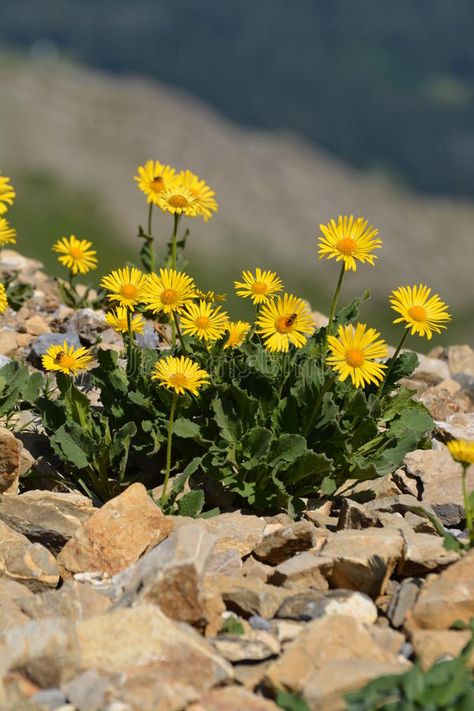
[[121, 608]]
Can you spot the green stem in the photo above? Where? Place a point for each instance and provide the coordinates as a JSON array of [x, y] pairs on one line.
[[168, 448], [177, 219], [335, 299], [150, 235], [180, 335], [467, 508], [131, 340], [392, 363]]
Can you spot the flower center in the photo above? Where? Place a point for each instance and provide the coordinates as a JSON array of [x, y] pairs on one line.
[[157, 184], [178, 380], [285, 324], [67, 361], [202, 322], [169, 296], [417, 313], [178, 201], [259, 287], [122, 324], [129, 291], [76, 252], [354, 357], [346, 245]]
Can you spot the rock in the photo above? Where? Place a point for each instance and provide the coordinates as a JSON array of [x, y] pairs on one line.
[[285, 542], [149, 338], [122, 640], [403, 600], [117, 534], [314, 653], [446, 598], [46, 651], [363, 560], [36, 325], [259, 623], [144, 691], [310, 606], [10, 458], [224, 562], [431, 646], [8, 343], [424, 553], [459, 426], [28, 563], [46, 340], [287, 630], [11, 614], [88, 691], [306, 569], [461, 360], [49, 699], [72, 601], [46, 517], [254, 646], [434, 367], [252, 568], [439, 477], [232, 699], [172, 577], [248, 596], [441, 404], [236, 531], [355, 516]]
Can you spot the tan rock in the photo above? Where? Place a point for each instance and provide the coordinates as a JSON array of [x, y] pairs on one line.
[[311, 604], [252, 568], [441, 404], [10, 454], [144, 637], [459, 425], [36, 325], [325, 642], [286, 541], [236, 531], [461, 360], [232, 698], [11, 614], [363, 560], [50, 517], [446, 598], [28, 563], [8, 343], [434, 367], [248, 596], [430, 646], [424, 553], [117, 534], [306, 569], [255, 645], [72, 601]]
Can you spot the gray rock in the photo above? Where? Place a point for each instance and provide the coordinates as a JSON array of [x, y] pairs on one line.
[[49, 698], [87, 691], [4, 360], [310, 606], [46, 340], [403, 600], [285, 542], [259, 623], [149, 338]]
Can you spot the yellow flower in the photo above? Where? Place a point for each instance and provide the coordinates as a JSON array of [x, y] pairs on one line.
[[76, 254], [353, 353], [128, 286], [349, 240], [7, 233], [422, 313], [203, 321], [178, 200], [168, 292], [118, 320], [200, 190], [237, 331], [260, 287], [7, 194], [67, 359], [285, 321], [179, 374], [153, 178], [462, 450], [3, 299]]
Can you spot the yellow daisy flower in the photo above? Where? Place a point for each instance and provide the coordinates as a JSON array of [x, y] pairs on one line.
[[285, 321], [422, 313], [168, 292], [3, 299], [179, 374], [349, 239], [128, 286], [7, 233], [203, 321], [178, 200], [67, 359], [260, 287], [118, 320], [462, 450], [237, 331], [7, 194], [199, 189], [353, 353], [153, 178], [76, 254]]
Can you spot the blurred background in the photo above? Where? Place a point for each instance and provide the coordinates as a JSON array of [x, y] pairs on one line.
[[292, 112]]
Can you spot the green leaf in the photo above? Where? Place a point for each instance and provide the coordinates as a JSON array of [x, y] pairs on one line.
[[350, 312], [232, 626], [287, 448], [328, 486], [256, 445], [229, 425], [65, 445], [291, 702], [191, 504], [186, 429], [119, 449]]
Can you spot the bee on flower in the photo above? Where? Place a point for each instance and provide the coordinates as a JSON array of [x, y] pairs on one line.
[[67, 359], [284, 322], [154, 178]]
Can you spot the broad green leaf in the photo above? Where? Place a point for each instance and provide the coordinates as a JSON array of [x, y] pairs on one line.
[[191, 504], [287, 448], [186, 428], [229, 425], [351, 311], [256, 445], [67, 448]]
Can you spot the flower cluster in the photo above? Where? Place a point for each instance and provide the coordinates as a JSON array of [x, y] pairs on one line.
[[7, 232]]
